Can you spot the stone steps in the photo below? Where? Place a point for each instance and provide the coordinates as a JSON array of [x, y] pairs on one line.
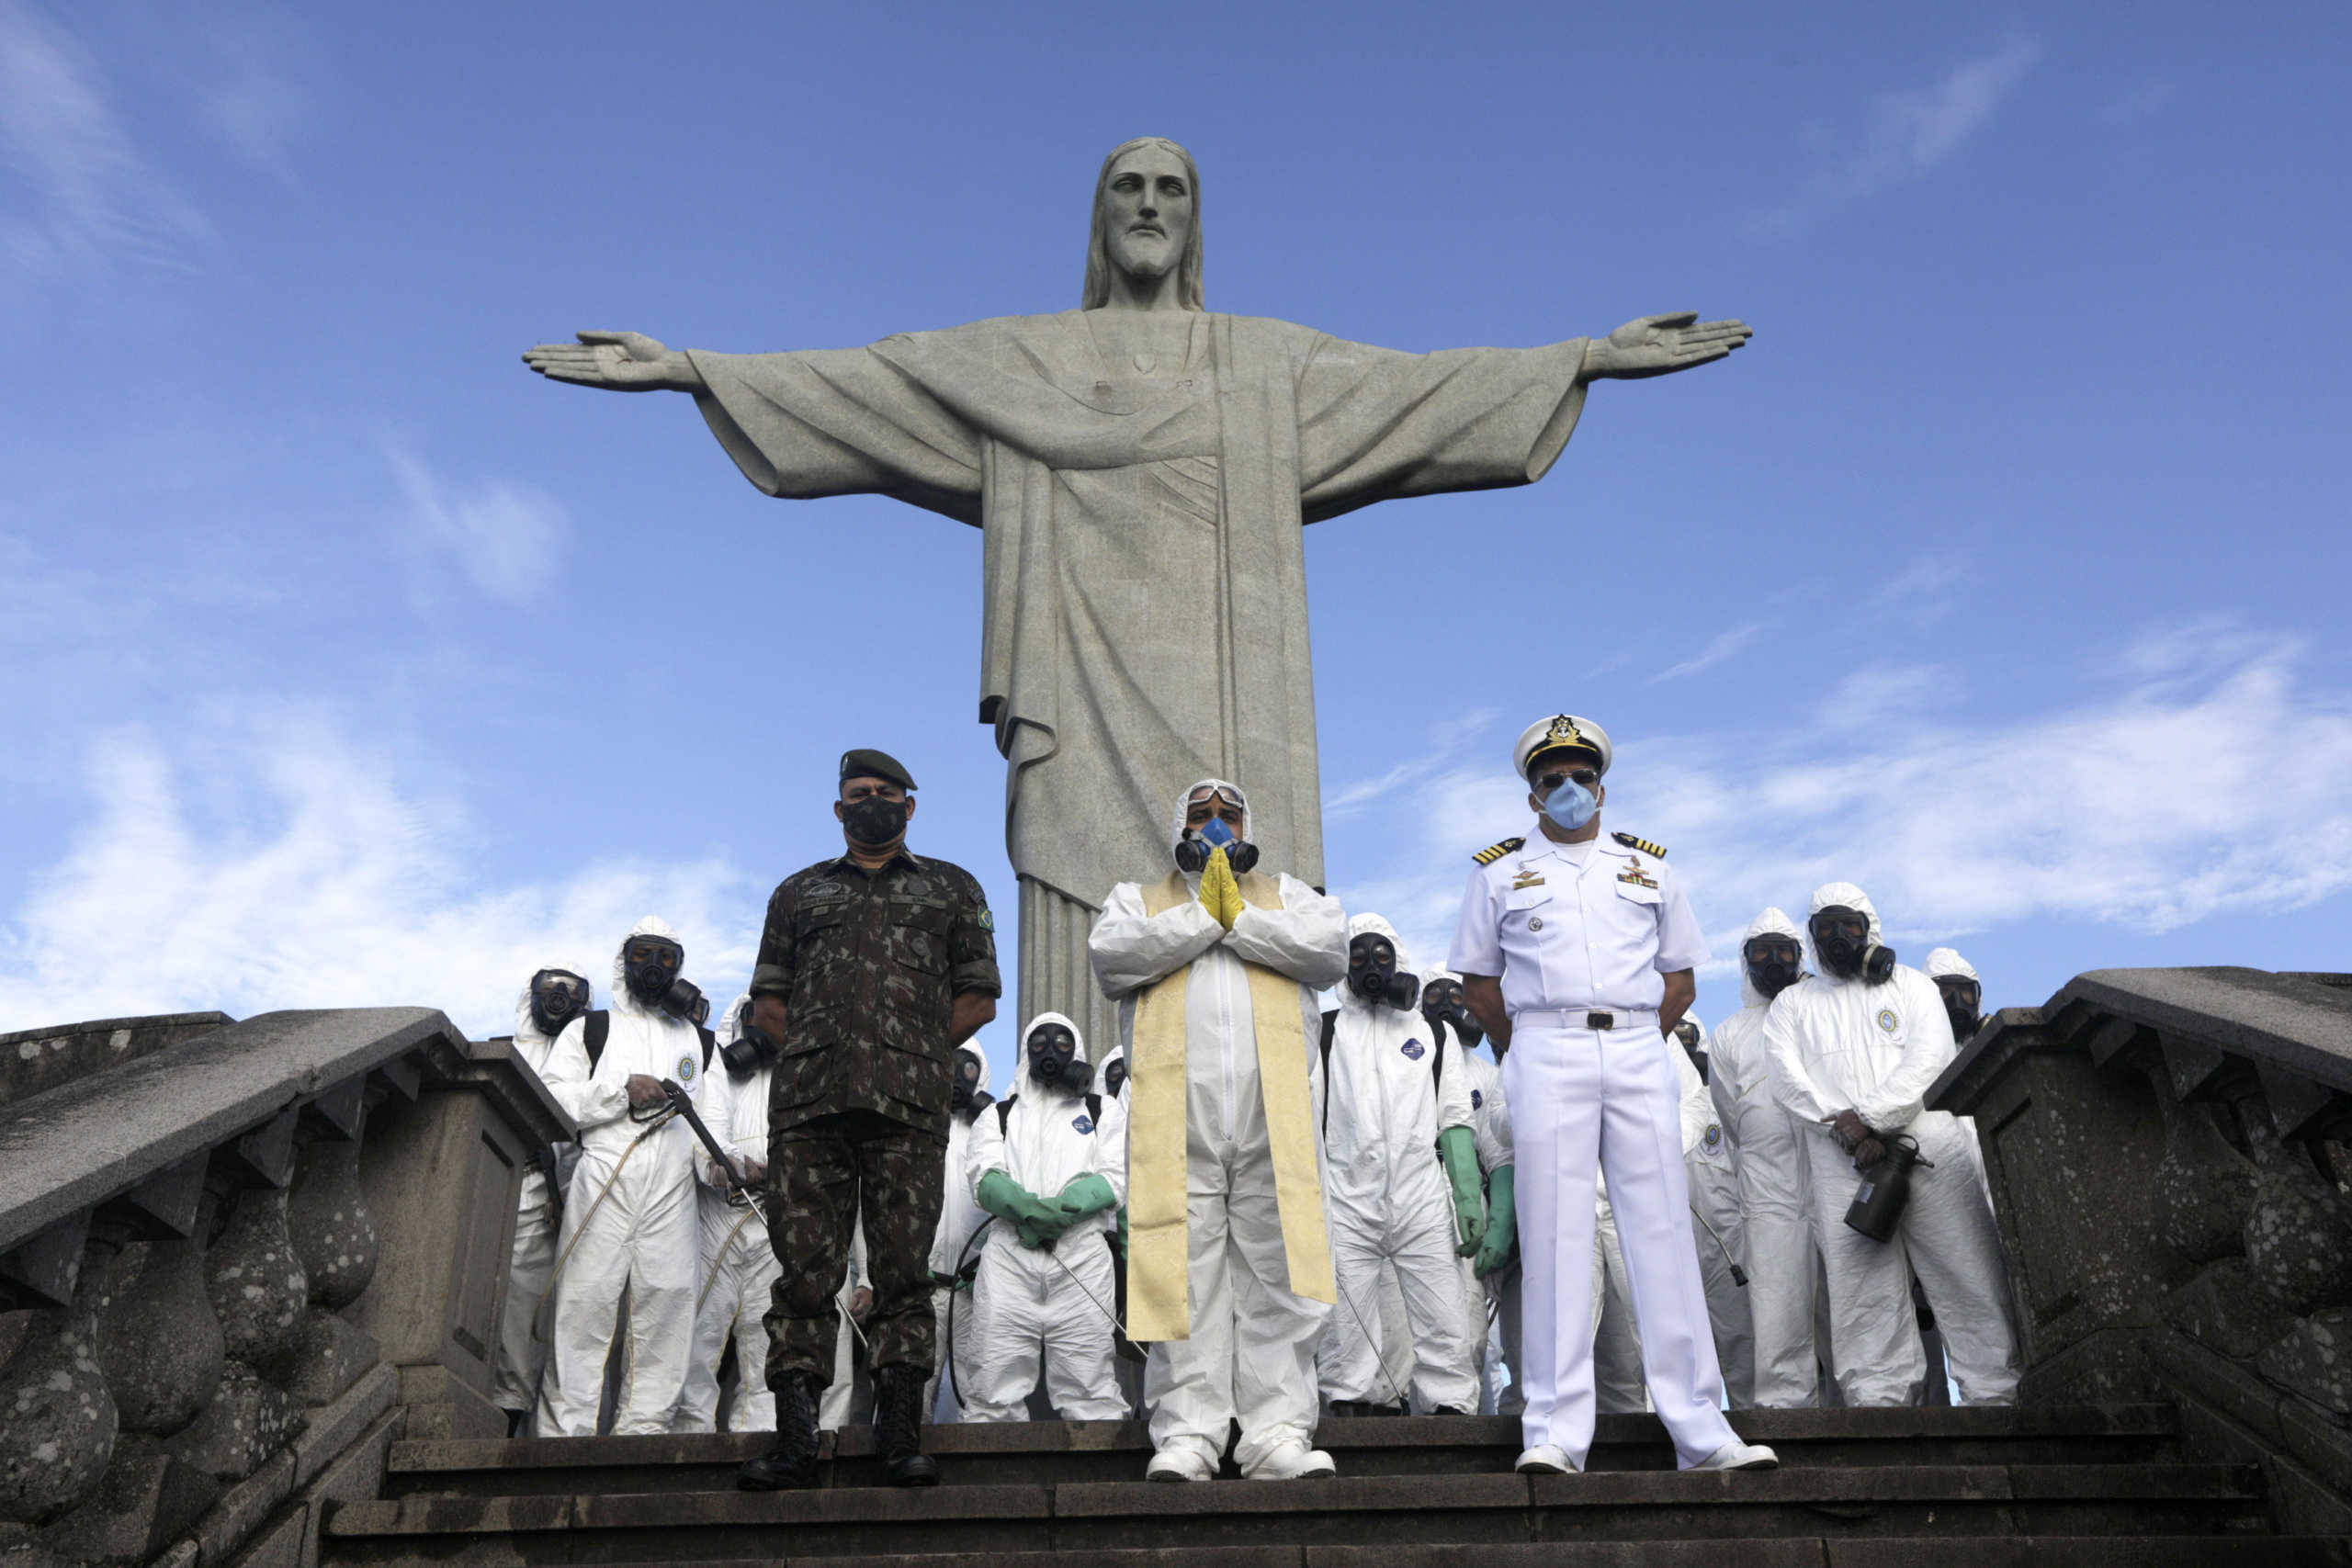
[[1794, 1551], [1048, 1453]]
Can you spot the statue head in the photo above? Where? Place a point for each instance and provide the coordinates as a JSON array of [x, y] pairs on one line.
[[1145, 159]]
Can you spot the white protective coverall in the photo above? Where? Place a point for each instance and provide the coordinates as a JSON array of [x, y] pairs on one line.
[[738, 1267], [522, 1356], [1773, 1181], [839, 1401], [959, 1216], [629, 1221], [1387, 1095], [1251, 1353], [1835, 1044], [1711, 1166], [1051, 1303]]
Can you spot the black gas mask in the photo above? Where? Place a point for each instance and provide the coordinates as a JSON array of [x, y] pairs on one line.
[[1443, 1002], [963, 1094], [558, 995], [1842, 937], [874, 820], [648, 965], [1114, 1077], [684, 1000], [1053, 1060], [1687, 1035], [1372, 973], [750, 1050], [1963, 1002], [1774, 964]]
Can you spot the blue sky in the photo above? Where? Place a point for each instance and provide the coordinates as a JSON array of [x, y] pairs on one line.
[[350, 663]]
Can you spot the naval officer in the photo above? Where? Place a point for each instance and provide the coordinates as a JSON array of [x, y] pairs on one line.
[[1575, 949]]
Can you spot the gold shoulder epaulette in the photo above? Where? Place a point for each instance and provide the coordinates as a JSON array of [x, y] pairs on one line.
[[1640, 846], [1494, 852]]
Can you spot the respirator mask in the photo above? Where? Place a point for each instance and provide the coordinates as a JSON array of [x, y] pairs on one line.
[[684, 1000], [1842, 937], [1373, 976], [1053, 1060], [1443, 1002], [1963, 1001], [750, 1050], [648, 965], [1774, 964], [966, 1086], [558, 995], [1193, 849], [1114, 1077]]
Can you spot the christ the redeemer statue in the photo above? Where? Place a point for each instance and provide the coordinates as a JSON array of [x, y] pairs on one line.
[[1140, 469]]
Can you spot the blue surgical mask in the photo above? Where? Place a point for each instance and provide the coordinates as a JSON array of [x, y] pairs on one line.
[[1571, 804]]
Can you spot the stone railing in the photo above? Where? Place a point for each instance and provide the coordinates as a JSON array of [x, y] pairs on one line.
[[2168, 1159], [236, 1260]]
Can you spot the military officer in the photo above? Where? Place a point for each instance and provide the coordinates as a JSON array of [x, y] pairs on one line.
[[1575, 951], [873, 968]]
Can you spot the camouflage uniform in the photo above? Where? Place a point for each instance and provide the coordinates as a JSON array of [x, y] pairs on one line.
[[867, 963]]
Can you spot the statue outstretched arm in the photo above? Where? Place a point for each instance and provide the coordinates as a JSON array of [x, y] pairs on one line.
[[618, 362], [1657, 345]]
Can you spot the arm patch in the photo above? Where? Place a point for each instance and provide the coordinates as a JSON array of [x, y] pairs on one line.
[[1640, 846], [1494, 852]]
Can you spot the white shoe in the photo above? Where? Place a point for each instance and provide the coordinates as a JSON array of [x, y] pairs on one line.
[[1294, 1461], [1178, 1464], [1545, 1459], [1736, 1455]]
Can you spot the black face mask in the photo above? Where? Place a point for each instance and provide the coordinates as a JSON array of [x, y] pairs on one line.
[[1961, 1001], [1372, 973], [1114, 1077], [1840, 936], [968, 1081], [558, 995], [1441, 1002], [648, 975], [875, 821], [1773, 965], [1053, 1060]]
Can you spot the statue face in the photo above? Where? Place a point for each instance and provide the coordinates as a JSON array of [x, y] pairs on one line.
[[1148, 207]]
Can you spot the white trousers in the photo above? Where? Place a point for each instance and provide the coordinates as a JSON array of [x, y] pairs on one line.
[[1610, 1100], [738, 1276], [1947, 1236], [521, 1356], [643, 1237], [1782, 1261], [1420, 1243], [1617, 1386], [1026, 1311], [1251, 1354]]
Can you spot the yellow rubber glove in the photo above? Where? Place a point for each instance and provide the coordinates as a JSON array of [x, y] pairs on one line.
[[1220, 894]]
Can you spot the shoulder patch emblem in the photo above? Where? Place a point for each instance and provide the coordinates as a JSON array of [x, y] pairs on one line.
[[1414, 1050], [1084, 1123], [1477, 1100], [1886, 1020], [988, 919], [685, 1069], [1656, 851], [1494, 852]]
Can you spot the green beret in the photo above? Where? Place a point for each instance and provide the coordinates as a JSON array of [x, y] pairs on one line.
[[867, 763]]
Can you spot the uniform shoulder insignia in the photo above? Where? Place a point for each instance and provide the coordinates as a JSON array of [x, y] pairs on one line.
[[1494, 852], [1640, 846]]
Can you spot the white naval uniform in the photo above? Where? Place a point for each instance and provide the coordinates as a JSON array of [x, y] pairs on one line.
[[1574, 931]]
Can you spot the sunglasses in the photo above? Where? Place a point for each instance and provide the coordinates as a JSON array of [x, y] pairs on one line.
[[1584, 778]]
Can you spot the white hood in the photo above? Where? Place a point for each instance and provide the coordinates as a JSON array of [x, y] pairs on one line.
[[1771, 922], [1358, 925], [1020, 1072], [528, 1032], [1184, 802], [727, 1027], [973, 1047], [652, 925], [1848, 896], [1945, 960]]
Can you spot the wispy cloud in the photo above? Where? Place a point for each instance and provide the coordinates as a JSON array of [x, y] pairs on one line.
[[329, 884], [84, 197], [1445, 744], [1722, 647], [1907, 133], [504, 538]]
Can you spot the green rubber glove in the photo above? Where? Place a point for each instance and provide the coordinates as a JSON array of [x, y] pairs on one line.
[[1085, 1195], [1122, 1230], [1502, 1223], [1035, 1220], [1458, 1152]]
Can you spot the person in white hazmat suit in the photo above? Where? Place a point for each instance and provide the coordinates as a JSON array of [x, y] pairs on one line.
[[1129, 1363], [738, 1267], [959, 1218], [1711, 1168], [629, 1220], [1963, 991], [839, 1402], [1228, 1262], [1772, 1170], [552, 998], [1047, 1163], [1852, 1050], [1402, 1185]]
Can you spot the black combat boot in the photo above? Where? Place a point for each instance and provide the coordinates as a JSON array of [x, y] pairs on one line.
[[898, 1427], [792, 1463]]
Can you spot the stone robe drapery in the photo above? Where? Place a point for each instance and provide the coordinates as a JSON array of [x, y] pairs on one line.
[[1145, 578]]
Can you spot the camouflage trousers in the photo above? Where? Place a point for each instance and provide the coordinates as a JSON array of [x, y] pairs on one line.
[[822, 1176]]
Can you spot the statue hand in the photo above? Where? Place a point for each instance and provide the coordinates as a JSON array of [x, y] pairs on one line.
[[1659, 345], [619, 362]]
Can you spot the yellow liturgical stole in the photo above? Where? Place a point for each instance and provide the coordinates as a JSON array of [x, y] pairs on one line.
[[1158, 1254]]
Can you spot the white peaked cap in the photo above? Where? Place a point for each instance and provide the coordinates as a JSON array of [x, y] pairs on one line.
[[1557, 730]]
